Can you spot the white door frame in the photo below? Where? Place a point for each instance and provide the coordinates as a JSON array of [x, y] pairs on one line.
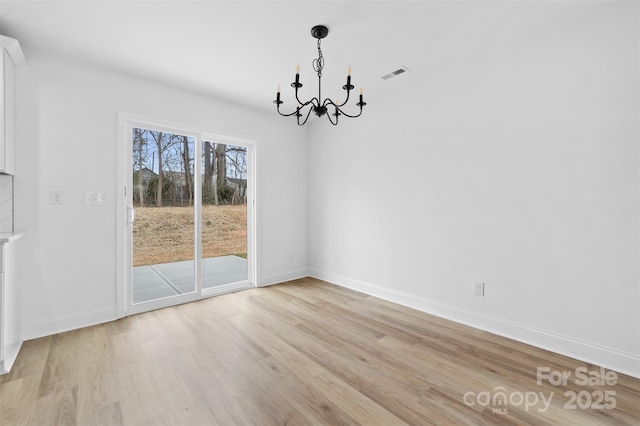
[[124, 267]]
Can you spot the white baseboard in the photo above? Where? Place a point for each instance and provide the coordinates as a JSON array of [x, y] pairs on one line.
[[622, 362], [10, 357], [55, 325], [284, 277]]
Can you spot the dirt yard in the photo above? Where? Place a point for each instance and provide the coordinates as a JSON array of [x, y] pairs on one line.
[[165, 234]]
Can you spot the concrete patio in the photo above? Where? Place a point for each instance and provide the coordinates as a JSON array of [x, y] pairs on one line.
[[168, 279]]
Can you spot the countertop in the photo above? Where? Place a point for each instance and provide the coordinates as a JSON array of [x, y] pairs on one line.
[[7, 237]]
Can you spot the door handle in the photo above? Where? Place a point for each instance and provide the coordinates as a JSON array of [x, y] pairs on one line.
[[131, 215]]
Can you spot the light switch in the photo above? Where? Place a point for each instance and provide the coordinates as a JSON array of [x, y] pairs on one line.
[[95, 199]]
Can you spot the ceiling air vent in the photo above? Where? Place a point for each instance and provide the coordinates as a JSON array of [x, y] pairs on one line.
[[395, 73]]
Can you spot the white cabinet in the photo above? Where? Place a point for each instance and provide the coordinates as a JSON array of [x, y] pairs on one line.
[[11, 57], [10, 341]]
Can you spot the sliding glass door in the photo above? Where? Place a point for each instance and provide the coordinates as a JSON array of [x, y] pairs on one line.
[[189, 216], [224, 214], [163, 226]]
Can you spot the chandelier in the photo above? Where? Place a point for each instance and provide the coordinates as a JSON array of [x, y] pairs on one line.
[[327, 107]]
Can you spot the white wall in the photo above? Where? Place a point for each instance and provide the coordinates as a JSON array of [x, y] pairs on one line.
[[520, 170], [67, 132]]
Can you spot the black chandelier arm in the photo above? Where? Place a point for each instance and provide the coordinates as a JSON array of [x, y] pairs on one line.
[[338, 105], [336, 116], [305, 119], [287, 115], [340, 111], [297, 114], [311, 101], [300, 107]]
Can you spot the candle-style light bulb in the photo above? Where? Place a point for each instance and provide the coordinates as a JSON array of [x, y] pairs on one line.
[[298, 74], [348, 85], [278, 94]]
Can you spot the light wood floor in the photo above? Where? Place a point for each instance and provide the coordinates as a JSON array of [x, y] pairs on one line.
[[304, 352]]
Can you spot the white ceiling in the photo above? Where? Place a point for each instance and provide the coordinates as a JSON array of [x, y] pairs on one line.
[[241, 50]]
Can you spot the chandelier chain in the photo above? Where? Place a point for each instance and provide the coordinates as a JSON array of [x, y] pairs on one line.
[[318, 64]]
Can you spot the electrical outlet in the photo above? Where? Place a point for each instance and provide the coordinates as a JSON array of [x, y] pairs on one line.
[[478, 288], [56, 197]]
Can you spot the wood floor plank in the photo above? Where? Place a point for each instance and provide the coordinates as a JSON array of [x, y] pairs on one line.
[[108, 415], [219, 391], [303, 352], [17, 399], [360, 407], [278, 348], [31, 360], [361, 372], [58, 408], [287, 359], [308, 405], [61, 371], [97, 391]]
